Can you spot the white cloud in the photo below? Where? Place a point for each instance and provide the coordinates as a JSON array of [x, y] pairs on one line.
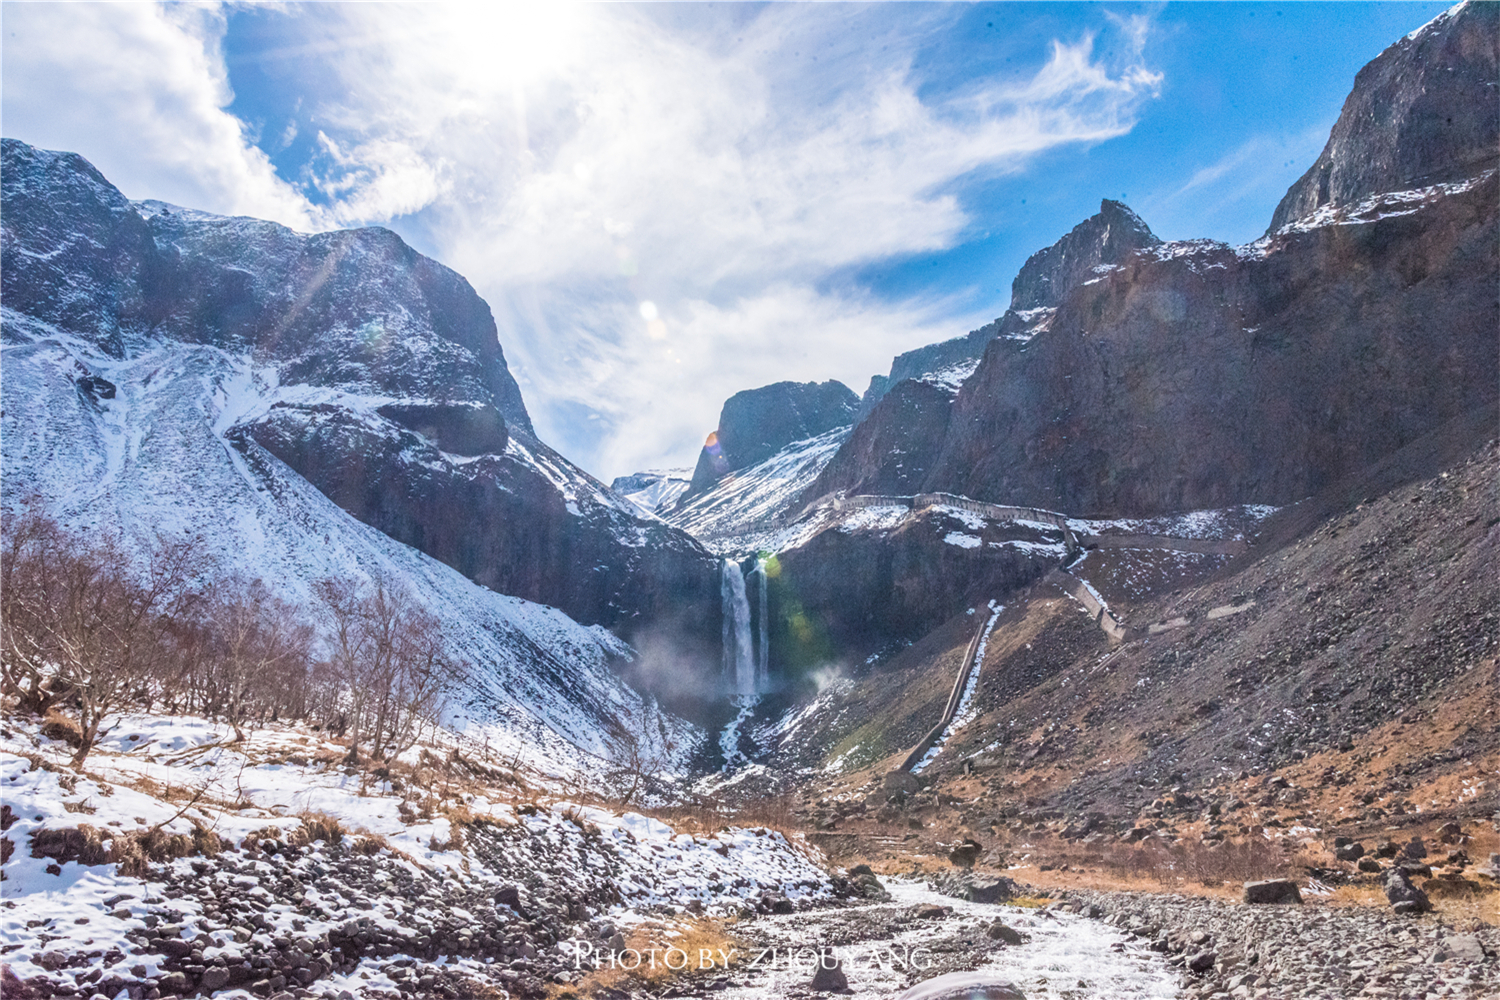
[[575, 162], [140, 91]]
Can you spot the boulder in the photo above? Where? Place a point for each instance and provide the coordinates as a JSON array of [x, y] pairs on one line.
[[1000, 931], [829, 976], [991, 890], [1403, 896], [965, 853], [1349, 852], [963, 986], [1277, 890]]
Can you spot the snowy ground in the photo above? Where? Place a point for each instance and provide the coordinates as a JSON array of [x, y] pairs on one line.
[[429, 875]]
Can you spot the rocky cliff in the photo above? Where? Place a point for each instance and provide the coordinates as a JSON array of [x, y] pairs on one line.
[[1422, 112], [1200, 375], [1194, 374], [382, 382], [757, 423], [1100, 241]]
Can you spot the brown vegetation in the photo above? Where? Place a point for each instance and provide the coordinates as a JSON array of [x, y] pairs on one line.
[[86, 633]]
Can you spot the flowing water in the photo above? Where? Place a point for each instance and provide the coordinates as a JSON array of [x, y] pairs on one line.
[[739, 662]]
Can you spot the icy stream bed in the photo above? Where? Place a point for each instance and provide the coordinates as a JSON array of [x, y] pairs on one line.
[[1067, 957]]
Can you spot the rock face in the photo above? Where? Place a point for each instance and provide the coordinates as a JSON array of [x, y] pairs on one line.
[[389, 391], [1047, 276], [882, 574], [1098, 241], [757, 423], [1421, 113], [1196, 375], [889, 453]]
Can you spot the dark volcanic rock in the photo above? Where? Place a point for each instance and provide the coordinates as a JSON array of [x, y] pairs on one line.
[[498, 519], [863, 580], [757, 423], [889, 453], [1422, 112], [1197, 376], [1100, 240]]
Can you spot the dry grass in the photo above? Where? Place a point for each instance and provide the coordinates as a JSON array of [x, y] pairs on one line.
[[56, 726], [1169, 864], [661, 955], [369, 844], [316, 826]]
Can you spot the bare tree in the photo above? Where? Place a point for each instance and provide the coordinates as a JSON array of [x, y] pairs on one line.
[[389, 659], [81, 623], [634, 765]]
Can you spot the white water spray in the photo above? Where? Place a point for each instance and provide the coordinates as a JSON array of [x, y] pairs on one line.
[[739, 663]]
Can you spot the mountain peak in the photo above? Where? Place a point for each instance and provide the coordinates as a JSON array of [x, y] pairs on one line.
[[1422, 112], [1106, 238]]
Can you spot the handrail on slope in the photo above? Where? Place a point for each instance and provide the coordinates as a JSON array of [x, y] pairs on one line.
[[955, 696]]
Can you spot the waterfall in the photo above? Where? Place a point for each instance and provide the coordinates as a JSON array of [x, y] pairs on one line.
[[739, 663], [763, 650]]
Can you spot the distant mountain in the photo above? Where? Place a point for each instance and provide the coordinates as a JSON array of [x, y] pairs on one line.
[[653, 490], [757, 423], [1089, 248], [382, 383]]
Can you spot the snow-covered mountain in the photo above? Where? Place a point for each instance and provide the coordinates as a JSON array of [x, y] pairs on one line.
[[328, 405], [653, 490], [393, 395], [744, 511]]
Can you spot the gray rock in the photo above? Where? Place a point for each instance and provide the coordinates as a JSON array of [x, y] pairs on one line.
[[999, 931], [1349, 852], [1403, 896], [1278, 890], [991, 890]]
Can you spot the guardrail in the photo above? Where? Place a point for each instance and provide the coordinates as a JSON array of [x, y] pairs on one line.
[[955, 698]]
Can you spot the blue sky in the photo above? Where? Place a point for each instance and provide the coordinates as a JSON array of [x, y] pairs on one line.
[[667, 203]]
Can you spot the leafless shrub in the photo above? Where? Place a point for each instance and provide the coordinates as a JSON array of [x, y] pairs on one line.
[[79, 622]]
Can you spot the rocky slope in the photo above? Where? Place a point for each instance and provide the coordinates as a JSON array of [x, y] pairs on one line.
[[757, 423], [379, 380]]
